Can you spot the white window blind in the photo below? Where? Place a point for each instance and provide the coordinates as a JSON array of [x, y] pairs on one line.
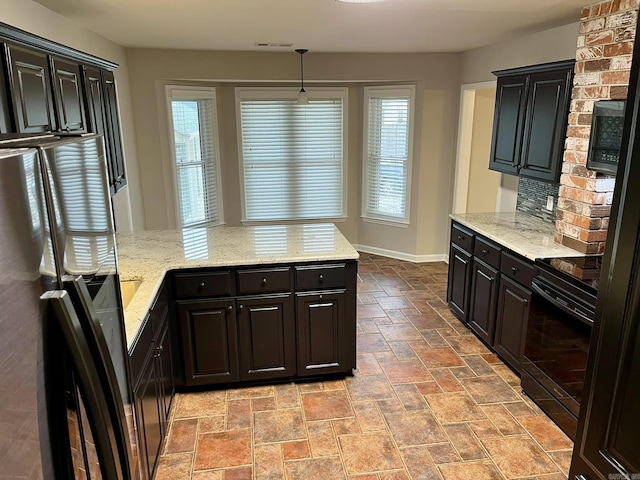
[[292, 154], [195, 155], [387, 156]]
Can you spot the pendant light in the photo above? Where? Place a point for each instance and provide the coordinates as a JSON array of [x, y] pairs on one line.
[[302, 94]]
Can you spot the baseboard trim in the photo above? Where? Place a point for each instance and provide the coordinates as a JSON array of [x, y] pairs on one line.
[[401, 255]]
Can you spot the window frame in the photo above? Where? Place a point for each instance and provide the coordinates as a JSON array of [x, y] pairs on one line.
[[390, 91], [291, 93], [188, 92]]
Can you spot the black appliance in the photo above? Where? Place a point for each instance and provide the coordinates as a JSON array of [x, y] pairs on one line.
[[556, 351], [65, 409], [606, 135]]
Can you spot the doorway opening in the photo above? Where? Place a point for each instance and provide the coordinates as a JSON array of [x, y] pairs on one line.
[[478, 189]]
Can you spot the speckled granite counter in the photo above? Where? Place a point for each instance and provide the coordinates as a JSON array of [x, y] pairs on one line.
[[529, 236], [148, 255]]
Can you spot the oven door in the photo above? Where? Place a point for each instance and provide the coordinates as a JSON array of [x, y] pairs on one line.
[[557, 343]]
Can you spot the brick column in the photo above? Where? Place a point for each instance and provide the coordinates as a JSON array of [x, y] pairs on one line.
[[603, 63]]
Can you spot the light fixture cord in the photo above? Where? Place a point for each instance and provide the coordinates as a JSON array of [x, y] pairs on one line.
[[301, 52], [302, 72]]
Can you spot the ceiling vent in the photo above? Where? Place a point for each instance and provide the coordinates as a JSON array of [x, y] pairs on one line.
[[274, 44]]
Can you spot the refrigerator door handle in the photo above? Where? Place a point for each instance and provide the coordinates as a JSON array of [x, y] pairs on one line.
[[80, 296], [94, 396]]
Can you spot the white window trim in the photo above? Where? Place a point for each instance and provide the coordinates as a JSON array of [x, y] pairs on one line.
[[389, 92], [186, 92], [291, 93]]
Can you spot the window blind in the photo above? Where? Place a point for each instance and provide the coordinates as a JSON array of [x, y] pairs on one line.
[[292, 158], [195, 155], [387, 156]]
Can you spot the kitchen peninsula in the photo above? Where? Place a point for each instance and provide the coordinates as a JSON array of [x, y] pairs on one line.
[[229, 305]]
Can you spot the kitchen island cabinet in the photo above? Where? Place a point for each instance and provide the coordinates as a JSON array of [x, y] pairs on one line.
[[245, 309]]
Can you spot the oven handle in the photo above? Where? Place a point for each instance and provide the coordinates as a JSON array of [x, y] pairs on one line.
[[535, 286]]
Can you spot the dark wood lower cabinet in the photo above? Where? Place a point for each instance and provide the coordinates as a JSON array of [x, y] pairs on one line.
[[459, 282], [511, 321], [267, 337], [483, 303], [153, 384], [148, 417], [209, 341], [323, 338]]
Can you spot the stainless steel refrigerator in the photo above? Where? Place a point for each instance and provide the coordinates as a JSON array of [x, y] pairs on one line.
[[65, 409]]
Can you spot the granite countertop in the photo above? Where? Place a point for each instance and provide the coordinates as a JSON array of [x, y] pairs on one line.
[[524, 234], [146, 256]]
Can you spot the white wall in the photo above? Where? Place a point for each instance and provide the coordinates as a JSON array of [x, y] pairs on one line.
[[34, 18], [482, 190], [436, 77], [546, 46]]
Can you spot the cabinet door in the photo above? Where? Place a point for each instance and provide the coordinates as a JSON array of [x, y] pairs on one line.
[[148, 417], [459, 282], [511, 322], [323, 345], [68, 96], [209, 340], [30, 90], [5, 112], [508, 120], [546, 125], [484, 299], [113, 134], [166, 387], [267, 337]]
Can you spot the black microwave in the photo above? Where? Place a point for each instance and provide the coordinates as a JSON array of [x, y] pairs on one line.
[[606, 135]]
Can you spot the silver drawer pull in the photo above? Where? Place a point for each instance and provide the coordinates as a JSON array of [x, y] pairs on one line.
[[321, 278], [230, 308], [460, 237], [485, 252], [202, 285], [264, 281], [515, 269]]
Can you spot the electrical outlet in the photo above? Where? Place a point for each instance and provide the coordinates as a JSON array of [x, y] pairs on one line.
[[550, 202]]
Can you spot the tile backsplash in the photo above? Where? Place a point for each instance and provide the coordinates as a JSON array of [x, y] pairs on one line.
[[532, 198]]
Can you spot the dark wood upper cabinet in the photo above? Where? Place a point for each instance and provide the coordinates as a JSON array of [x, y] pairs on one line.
[[68, 96], [508, 120], [30, 89], [530, 120], [5, 113], [113, 133]]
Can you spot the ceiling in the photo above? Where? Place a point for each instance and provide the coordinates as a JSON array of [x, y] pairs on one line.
[[319, 25]]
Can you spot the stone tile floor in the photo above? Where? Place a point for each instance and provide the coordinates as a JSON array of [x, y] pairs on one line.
[[427, 401]]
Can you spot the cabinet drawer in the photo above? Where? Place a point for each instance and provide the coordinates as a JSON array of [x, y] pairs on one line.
[[519, 270], [264, 280], [462, 237], [312, 277], [203, 284], [487, 252]]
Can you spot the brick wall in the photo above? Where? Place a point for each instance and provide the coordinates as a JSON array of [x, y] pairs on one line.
[[603, 62]]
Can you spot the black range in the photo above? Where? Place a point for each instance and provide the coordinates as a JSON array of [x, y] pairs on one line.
[[563, 304]]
